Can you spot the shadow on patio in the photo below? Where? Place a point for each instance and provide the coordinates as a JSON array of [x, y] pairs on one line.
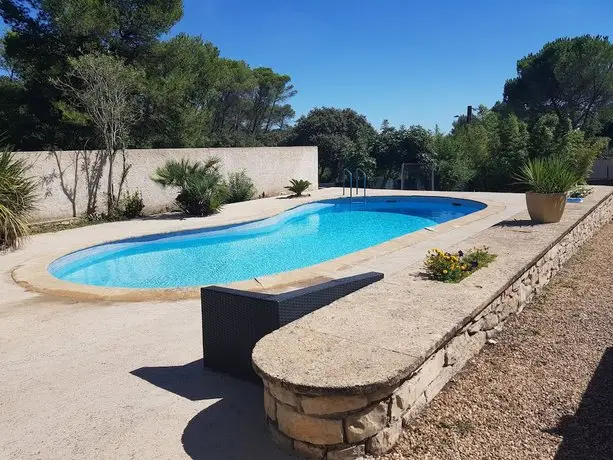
[[588, 435], [231, 428]]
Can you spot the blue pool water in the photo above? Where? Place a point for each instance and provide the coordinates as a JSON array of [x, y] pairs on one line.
[[297, 238]]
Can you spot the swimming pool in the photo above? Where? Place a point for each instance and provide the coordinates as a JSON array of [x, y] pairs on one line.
[[298, 238]]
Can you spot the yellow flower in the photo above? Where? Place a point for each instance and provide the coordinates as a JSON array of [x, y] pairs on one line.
[[445, 272]]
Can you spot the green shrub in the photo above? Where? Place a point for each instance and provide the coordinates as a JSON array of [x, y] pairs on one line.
[[202, 188], [453, 268], [240, 187], [131, 205], [17, 197], [202, 194], [548, 175], [298, 186]]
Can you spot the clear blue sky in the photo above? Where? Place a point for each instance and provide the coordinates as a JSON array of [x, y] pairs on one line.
[[412, 62]]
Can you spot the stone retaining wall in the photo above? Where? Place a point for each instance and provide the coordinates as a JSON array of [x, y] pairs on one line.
[[349, 426]]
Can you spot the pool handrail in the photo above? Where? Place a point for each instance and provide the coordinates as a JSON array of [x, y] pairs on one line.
[[345, 172], [357, 181]]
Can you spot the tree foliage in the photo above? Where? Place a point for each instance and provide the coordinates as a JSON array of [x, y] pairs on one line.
[[395, 146], [343, 136], [487, 153], [569, 77], [191, 97]]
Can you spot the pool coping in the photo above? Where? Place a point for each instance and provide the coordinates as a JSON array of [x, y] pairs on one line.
[[34, 275]]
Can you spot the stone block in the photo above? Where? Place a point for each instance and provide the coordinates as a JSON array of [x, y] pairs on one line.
[[325, 405], [385, 439], [462, 348], [314, 430], [454, 348], [525, 294], [410, 414], [367, 423], [489, 321], [483, 312], [475, 326], [270, 405], [309, 450], [348, 453], [283, 395], [508, 308], [279, 438], [412, 388], [395, 409], [441, 380]]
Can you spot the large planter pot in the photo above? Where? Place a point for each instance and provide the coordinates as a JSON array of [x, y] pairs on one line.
[[545, 208]]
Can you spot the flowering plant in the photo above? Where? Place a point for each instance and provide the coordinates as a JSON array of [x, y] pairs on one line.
[[453, 268]]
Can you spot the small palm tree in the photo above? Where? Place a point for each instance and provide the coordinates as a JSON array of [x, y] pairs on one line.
[[175, 173], [298, 186], [201, 186], [17, 197]]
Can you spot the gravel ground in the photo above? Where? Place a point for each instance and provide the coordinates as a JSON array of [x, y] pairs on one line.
[[545, 389]]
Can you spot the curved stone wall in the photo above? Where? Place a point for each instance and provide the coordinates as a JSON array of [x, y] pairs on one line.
[[344, 423]]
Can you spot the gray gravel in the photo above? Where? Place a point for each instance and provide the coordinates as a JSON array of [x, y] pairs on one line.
[[545, 390]]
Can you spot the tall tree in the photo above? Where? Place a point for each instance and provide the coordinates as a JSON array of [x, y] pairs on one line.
[[43, 34], [267, 107], [104, 89], [395, 146], [343, 136], [179, 93], [571, 77]]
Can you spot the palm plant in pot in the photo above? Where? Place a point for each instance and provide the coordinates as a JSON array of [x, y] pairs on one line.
[[548, 181]]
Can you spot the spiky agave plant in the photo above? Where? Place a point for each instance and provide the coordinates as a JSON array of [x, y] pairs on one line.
[[298, 186], [17, 198], [548, 175]]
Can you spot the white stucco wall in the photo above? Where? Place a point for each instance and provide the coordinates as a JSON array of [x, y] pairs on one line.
[[270, 168]]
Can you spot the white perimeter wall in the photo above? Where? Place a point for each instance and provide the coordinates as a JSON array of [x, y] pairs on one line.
[[270, 168]]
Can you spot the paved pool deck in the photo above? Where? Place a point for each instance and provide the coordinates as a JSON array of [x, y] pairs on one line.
[[111, 379], [389, 257]]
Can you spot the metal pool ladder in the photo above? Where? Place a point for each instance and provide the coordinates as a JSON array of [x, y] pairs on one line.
[[345, 173], [357, 181]]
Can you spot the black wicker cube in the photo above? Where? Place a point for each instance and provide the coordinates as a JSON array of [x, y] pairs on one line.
[[233, 321]]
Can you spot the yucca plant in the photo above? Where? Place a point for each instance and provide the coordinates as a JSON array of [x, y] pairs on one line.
[[202, 188], [298, 186], [548, 175], [17, 198]]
